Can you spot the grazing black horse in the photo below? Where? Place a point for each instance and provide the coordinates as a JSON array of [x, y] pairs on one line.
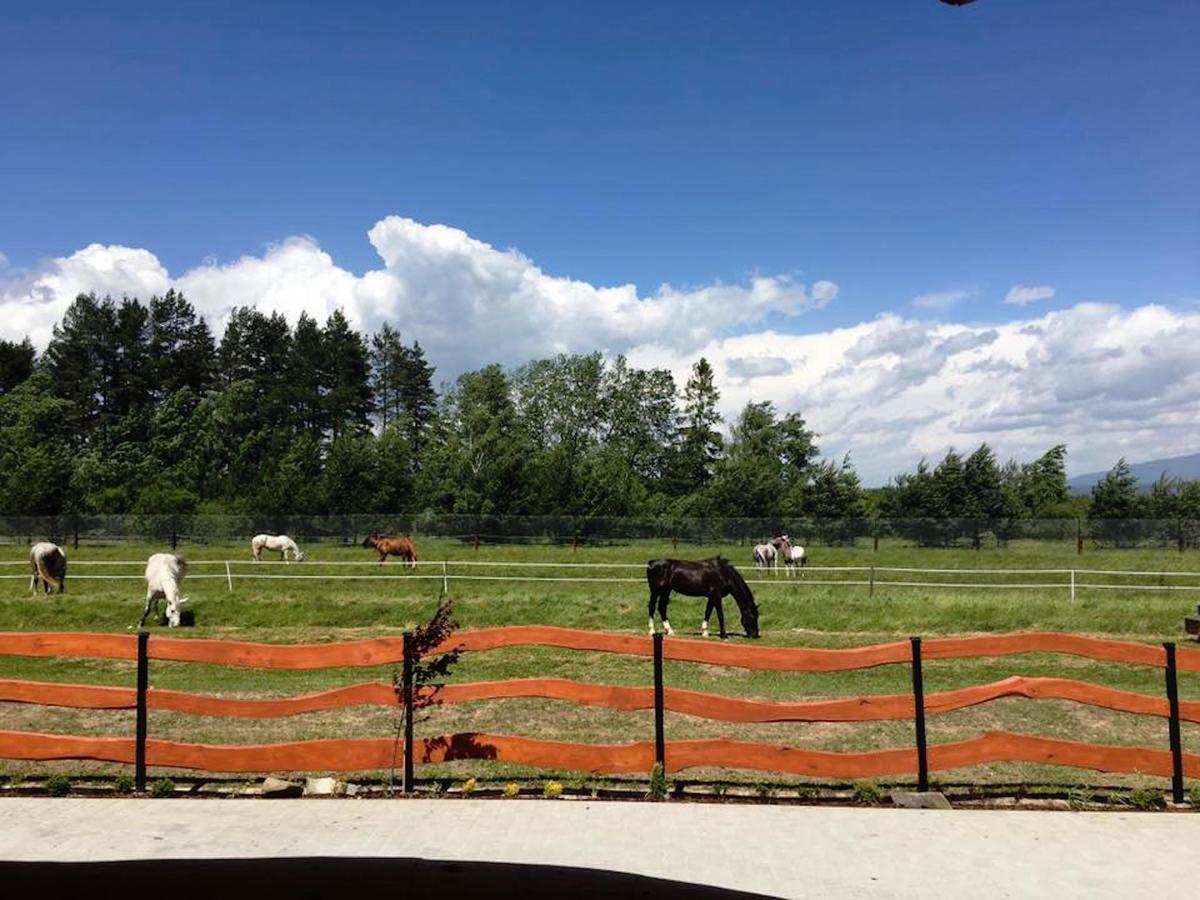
[[711, 578]]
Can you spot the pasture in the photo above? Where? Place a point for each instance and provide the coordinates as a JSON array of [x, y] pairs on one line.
[[322, 599]]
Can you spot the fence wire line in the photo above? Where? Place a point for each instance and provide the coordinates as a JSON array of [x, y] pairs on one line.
[[1168, 573], [447, 577]]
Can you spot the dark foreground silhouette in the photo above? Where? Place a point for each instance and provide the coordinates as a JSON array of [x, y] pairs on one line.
[[316, 878]]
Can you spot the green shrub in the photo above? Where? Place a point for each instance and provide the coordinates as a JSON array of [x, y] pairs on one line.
[[469, 786], [658, 784], [58, 785], [123, 784], [552, 790], [867, 793], [1193, 794], [164, 787], [512, 789], [764, 790]]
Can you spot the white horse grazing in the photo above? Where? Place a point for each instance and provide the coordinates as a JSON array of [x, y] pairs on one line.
[[765, 555], [280, 543], [49, 564], [794, 557], [164, 574]]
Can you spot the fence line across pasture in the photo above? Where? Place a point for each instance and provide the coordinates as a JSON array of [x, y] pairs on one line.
[[240, 569], [375, 753]]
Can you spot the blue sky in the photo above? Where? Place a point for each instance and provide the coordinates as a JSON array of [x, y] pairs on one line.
[[899, 149]]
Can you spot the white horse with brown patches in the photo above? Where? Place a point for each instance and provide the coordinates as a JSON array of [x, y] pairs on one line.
[[49, 564]]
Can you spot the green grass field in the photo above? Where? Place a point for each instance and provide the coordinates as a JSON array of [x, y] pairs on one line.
[[794, 612]]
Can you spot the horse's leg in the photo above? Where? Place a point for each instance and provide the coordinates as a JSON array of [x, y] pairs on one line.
[[720, 604], [664, 598], [653, 604], [707, 613], [146, 611]]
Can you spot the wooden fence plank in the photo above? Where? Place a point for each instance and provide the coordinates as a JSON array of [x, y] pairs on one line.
[[381, 753], [76, 696], [1005, 746], [694, 703], [389, 650], [1045, 642], [34, 746], [684, 650], [372, 652], [82, 644]]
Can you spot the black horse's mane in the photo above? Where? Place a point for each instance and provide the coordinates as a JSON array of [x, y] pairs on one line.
[[741, 590]]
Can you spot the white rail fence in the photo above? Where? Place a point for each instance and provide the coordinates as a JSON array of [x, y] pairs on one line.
[[872, 578]]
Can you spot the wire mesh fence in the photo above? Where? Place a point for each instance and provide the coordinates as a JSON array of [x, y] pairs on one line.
[[77, 529]]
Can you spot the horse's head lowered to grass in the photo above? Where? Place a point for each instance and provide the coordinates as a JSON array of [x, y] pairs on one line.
[[743, 596]]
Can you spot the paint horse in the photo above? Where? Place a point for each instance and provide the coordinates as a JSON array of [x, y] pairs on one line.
[[712, 578], [49, 564], [794, 557], [400, 546], [280, 543], [765, 555]]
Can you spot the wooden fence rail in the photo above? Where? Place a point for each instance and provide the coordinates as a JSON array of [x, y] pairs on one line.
[[870, 708], [356, 755], [390, 650]]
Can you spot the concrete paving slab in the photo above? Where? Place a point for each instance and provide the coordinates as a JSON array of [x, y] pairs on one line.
[[786, 851]]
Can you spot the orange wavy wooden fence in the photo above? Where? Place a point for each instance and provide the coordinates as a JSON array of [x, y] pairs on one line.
[[390, 650], [361, 754], [694, 703]]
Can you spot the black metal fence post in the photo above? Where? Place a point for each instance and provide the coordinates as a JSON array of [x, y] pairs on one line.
[[1173, 725], [919, 716], [143, 682], [660, 745], [407, 690]]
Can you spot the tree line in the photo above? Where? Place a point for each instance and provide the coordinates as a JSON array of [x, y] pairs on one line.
[[136, 408]]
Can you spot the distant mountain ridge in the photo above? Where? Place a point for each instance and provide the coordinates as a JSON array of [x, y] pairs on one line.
[[1146, 473]]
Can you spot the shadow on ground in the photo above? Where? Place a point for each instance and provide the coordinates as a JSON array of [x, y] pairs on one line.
[[316, 877]]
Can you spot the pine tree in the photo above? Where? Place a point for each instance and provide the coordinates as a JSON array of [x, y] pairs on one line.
[[181, 348], [81, 360], [416, 397], [347, 400], [387, 363], [700, 440], [1115, 496], [305, 380]]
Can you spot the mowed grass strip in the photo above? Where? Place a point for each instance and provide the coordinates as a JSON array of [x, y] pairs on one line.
[[794, 612]]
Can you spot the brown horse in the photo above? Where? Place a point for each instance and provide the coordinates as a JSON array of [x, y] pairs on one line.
[[400, 546]]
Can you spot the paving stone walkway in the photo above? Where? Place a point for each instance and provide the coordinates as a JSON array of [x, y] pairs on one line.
[[785, 851]]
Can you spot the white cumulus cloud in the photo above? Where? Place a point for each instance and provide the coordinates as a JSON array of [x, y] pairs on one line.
[[941, 299], [1106, 380], [466, 301], [1020, 295]]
